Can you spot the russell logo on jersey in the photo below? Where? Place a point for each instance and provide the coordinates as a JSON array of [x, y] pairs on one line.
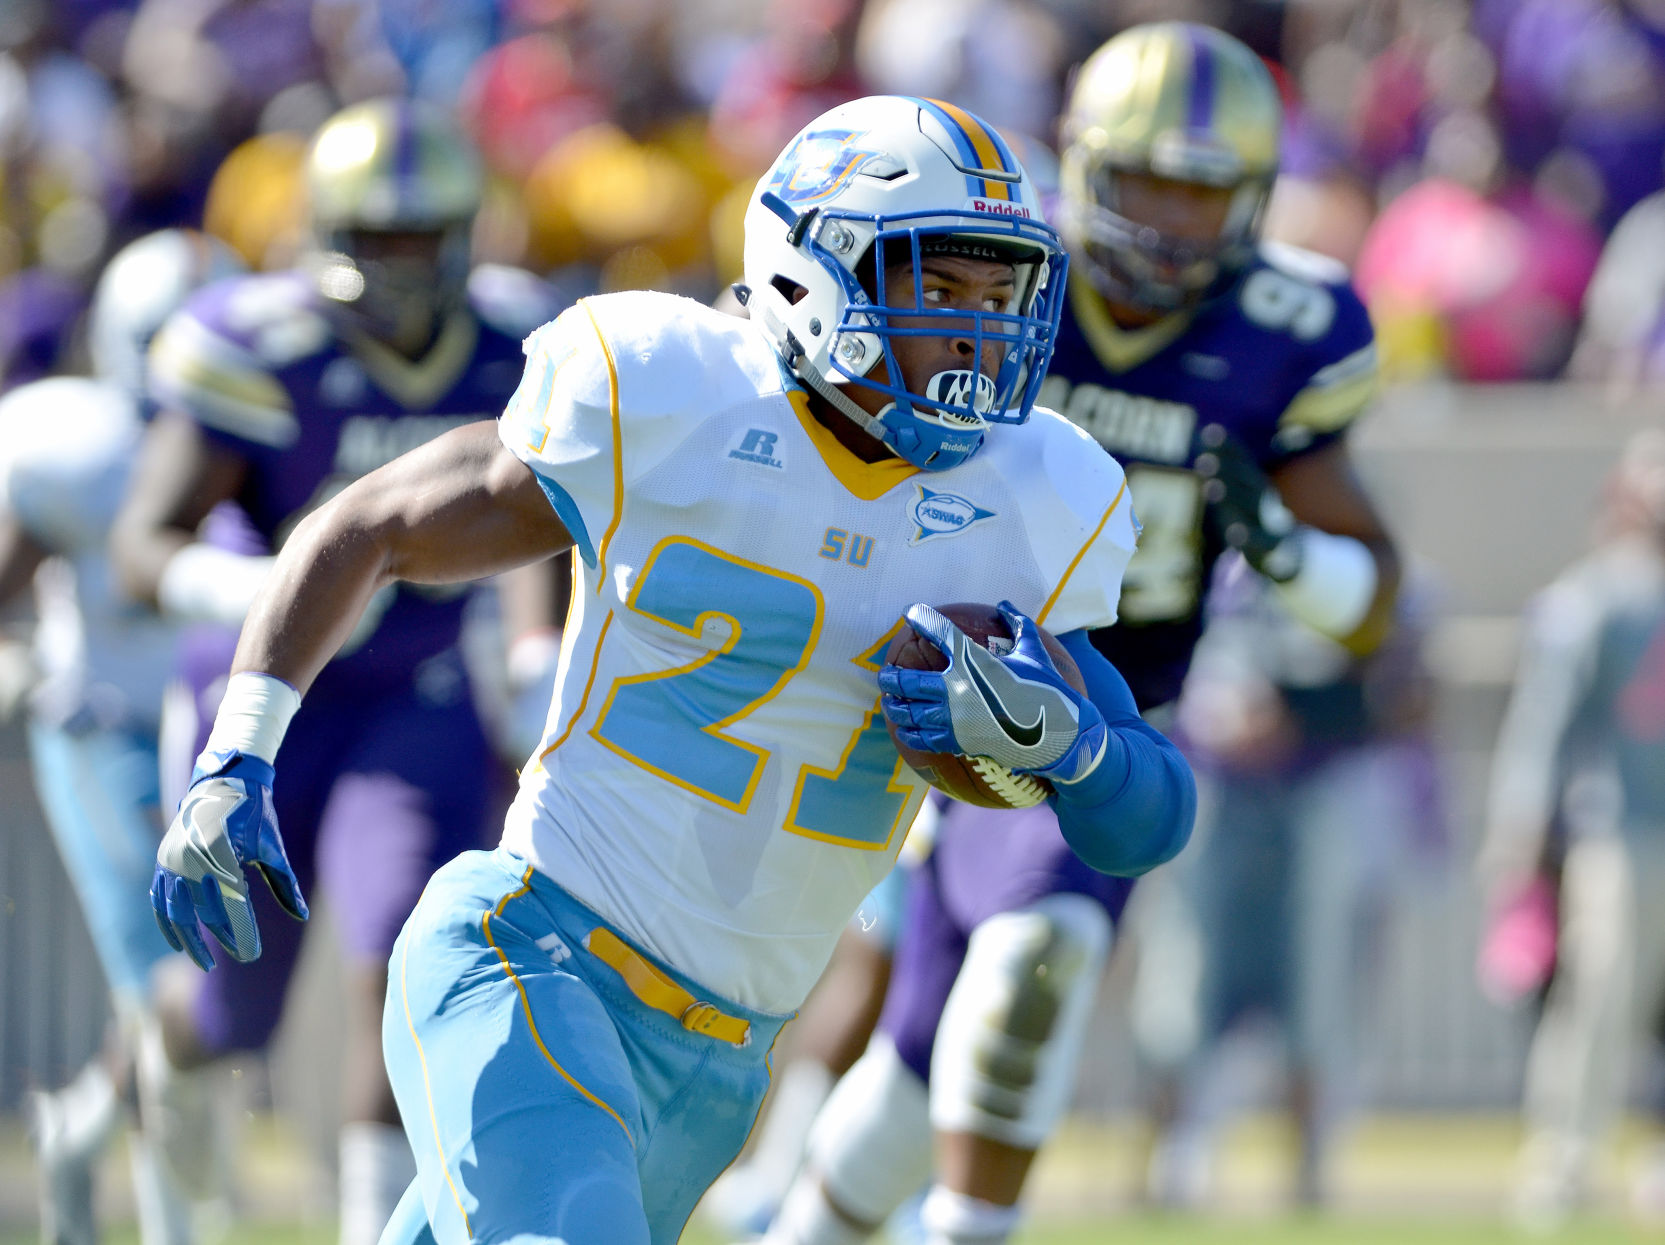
[[758, 446]]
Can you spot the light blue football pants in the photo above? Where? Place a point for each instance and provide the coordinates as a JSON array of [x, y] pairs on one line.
[[99, 792], [545, 1102]]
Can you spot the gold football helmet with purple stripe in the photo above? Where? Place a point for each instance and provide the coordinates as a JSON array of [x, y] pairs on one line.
[[1176, 101], [392, 189]]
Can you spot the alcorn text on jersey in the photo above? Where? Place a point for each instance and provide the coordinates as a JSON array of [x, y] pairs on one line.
[[1284, 360], [716, 777]]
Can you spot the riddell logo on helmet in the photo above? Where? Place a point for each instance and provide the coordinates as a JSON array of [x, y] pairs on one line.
[[994, 208]]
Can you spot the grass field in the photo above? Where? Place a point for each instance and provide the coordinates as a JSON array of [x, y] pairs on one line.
[[1400, 1181]]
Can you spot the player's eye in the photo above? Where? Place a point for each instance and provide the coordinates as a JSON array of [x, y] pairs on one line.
[[942, 295]]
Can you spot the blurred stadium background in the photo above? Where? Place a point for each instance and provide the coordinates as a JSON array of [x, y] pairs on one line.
[[1471, 161]]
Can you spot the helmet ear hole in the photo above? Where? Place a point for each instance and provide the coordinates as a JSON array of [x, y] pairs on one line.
[[867, 275], [788, 289]]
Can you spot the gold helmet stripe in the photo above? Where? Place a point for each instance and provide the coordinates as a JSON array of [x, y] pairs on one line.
[[984, 153]]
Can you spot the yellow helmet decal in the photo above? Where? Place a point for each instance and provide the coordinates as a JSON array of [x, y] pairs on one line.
[[987, 162]]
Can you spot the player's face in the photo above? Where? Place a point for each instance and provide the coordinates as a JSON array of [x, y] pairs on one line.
[[1179, 211], [415, 246], [404, 285], [947, 282], [1184, 220]]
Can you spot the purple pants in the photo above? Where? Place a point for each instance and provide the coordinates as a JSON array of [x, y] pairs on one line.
[[372, 795], [986, 861]]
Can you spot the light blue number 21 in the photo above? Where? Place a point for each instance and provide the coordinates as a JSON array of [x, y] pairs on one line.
[[672, 722]]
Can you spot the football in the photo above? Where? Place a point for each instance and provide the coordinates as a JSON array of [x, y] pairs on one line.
[[975, 780]]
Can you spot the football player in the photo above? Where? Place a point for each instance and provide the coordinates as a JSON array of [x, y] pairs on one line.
[[1580, 745], [276, 391], [66, 448], [1223, 371], [578, 1024]]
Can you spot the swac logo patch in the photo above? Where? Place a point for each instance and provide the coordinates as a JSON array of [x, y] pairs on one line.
[[943, 514], [817, 165], [758, 446]]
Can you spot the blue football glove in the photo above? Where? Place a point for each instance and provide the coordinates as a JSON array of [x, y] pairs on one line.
[[1015, 709], [225, 822]]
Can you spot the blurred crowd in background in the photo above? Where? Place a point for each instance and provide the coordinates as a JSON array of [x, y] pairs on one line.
[[1470, 161]]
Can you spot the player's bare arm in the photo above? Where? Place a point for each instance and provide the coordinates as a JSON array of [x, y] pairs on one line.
[[181, 475], [1322, 490], [20, 555], [458, 508]]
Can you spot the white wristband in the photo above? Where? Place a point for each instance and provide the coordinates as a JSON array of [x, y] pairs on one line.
[[1333, 590], [253, 716], [203, 584]]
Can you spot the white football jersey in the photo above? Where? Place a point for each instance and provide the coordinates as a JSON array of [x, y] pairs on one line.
[[716, 777], [66, 449]]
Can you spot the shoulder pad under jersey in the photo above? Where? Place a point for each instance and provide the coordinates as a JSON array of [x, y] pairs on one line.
[[66, 445], [1309, 298], [512, 300], [615, 384], [217, 358], [1078, 514]]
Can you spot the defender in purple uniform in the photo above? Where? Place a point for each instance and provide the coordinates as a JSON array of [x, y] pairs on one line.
[[1223, 373], [275, 392]]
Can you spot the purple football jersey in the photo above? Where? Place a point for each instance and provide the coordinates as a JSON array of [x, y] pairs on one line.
[[1284, 359], [268, 370]]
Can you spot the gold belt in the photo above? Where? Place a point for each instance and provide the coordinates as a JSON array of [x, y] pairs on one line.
[[662, 994]]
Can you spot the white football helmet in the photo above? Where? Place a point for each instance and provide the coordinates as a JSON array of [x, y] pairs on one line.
[[875, 182], [140, 287]]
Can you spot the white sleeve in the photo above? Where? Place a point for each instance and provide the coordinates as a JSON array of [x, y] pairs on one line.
[[197, 367], [563, 423], [1085, 546], [1625, 294]]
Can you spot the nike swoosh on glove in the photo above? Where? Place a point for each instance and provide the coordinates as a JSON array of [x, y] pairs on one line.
[[225, 822], [1016, 708]]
